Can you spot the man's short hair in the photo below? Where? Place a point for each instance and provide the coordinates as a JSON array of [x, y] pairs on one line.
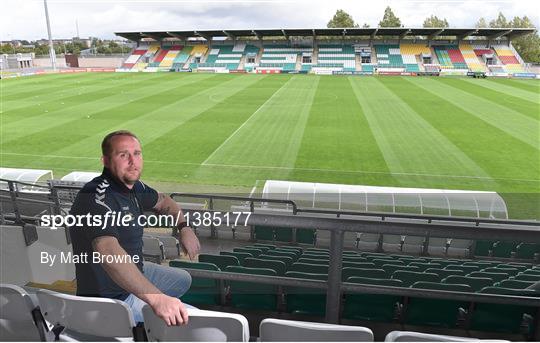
[[106, 144]]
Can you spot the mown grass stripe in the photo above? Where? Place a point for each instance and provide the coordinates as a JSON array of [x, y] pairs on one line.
[[408, 142], [520, 126]]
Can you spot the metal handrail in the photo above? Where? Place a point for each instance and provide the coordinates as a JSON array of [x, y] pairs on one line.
[[238, 198]]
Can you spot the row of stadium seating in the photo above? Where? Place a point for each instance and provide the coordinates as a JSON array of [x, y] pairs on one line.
[[406, 57], [366, 242], [27, 316], [482, 277]]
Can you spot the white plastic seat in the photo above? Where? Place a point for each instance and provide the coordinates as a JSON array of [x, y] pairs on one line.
[[171, 247], [153, 249], [391, 243], [459, 248], [413, 245], [411, 336], [87, 318], [279, 330], [203, 326], [15, 263], [19, 316], [368, 242], [437, 246]]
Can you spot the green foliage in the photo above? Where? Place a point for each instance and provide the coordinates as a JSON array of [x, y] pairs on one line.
[[527, 46], [390, 19], [341, 19], [499, 22], [481, 23], [434, 21]]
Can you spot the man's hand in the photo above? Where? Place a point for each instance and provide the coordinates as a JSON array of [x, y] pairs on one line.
[[170, 309], [190, 242]]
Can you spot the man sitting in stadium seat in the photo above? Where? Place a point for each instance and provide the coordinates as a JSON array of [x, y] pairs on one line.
[[119, 198]]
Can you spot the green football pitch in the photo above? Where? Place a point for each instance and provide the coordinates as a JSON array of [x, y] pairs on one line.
[[226, 130]]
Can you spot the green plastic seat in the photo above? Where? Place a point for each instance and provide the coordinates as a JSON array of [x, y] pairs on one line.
[[503, 249], [527, 250], [483, 248], [288, 250], [278, 266], [305, 236], [466, 269], [306, 301], [515, 284], [259, 247], [521, 267], [531, 271], [374, 307], [252, 295], [408, 278], [308, 268], [264, 233], [380, 262], [313, 261], [476, 283], [345, 264], [285, 259], [276, 252], [509, 270], [501, 317], [270, 246], [298, 250], [435, 312], [391, 268], [371, 273], [202, 291], [422, 266], [315, 256], [496, 277], [222, 261], [527, 277], [444, 272], [317, 250], [239, 255], [357, 258], [254, 252]]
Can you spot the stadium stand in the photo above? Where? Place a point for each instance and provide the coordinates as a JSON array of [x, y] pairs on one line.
[[389, 57], [281, 57], [135, 56], [450, 57], [412, 53], [336, 57], [172, 53], [508, 59], [471, 58]]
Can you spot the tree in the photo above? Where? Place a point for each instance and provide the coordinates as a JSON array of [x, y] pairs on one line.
[[341, 19], [389, 19], [528, 46], [366, 26], [499, 22], [481, 23], [434, 21]]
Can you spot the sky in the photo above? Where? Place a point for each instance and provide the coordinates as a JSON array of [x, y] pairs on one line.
[[25, 19]]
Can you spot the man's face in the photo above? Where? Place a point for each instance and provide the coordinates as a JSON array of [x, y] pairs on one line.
[[125, 161]]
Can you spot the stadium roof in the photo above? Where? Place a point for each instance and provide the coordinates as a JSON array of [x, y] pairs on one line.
[[402, 32]]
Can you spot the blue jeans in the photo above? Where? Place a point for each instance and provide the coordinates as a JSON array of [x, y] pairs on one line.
[[171, 281]]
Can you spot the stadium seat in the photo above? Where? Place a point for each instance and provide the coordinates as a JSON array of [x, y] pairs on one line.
[[496, 277], [350, 264], [314, 255], [309, 268], [20, 316], [87, 318], [527, 277], [435, 312], [514, 284], [306, 301], [369, 242], [500, 317], [379, 262], [391, 243], [203, 326], [222, 261], [153, 249], [422, 266], [313, 261], [410, 336], [391, 268], [239, 255], [376, 307], [254, 252], [466, 269], [279, 330], [509, 270], [171, 247], [285, 259], [413, 245], [278, 266], [252, 295], [364, 272], [503, 249], [476, 283], [202, 290], [284, 252], [408, 278], [459, 248], [437, 246]]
